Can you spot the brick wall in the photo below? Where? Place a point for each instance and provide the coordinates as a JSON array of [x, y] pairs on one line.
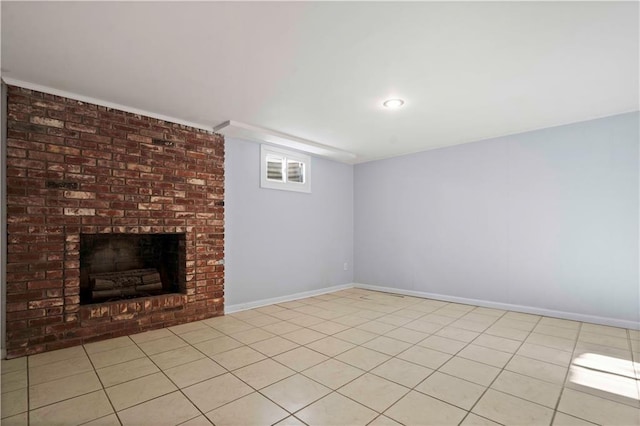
[[75, 168]]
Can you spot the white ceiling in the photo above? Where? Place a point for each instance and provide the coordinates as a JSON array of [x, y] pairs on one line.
[[320, 71]]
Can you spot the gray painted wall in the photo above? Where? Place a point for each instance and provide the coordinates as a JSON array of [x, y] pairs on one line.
[[546, 219], [279, 243]]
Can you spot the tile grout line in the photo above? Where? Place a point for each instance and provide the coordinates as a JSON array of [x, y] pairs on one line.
[[501, 371], [438, 369], [232, 373], [104, 390], [336, 391], [332, 391], [301, 371], [468, 343], [333, 357], [480, 362], [496, 319], [168, 378], [564, 382], [28, 394], [635, 365], [532, 330], [451, 356], [392, 357], [75, 396]]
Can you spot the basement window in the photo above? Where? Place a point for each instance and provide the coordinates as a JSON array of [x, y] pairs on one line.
[[285, 170]]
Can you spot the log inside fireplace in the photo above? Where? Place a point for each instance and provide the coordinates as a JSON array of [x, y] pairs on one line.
[[119, 285]]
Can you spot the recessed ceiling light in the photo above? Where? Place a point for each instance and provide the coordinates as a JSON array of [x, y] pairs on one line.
[[393, 103]]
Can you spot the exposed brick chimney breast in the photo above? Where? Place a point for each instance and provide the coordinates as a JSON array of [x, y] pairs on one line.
[[75, 168]]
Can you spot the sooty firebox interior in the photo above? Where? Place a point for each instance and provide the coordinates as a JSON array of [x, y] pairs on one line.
[[124, 266]]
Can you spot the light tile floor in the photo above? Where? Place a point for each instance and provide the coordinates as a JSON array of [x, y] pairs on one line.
[[353, 357]]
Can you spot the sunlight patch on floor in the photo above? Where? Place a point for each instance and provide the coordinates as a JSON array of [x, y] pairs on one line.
[[606, 373]]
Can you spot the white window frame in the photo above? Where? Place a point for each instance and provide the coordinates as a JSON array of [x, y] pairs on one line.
[[286, 155]]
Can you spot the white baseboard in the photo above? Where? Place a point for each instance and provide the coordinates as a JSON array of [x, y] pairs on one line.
[[615, 322], [264, 302]]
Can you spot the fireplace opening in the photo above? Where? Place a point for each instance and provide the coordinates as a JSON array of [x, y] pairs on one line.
[[126, 266]]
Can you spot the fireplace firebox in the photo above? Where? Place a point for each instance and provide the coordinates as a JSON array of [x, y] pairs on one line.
[[125, 266]]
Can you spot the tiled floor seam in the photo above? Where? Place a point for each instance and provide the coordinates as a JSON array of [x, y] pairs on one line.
[[227, 372], [102, 417], [498, 375], [564, 382], [159, 396], [316, 381], [104, 390], [333, 357], [438, 370], [65, 399], [28, 394]]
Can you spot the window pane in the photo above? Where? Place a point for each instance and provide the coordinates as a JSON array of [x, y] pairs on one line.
[[284, 170], [274, 168], [295, 171]]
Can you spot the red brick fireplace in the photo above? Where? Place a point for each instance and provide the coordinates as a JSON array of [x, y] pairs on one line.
[[78, 172]]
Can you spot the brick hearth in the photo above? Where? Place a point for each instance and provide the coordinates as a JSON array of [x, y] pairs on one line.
[[76, 168]]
